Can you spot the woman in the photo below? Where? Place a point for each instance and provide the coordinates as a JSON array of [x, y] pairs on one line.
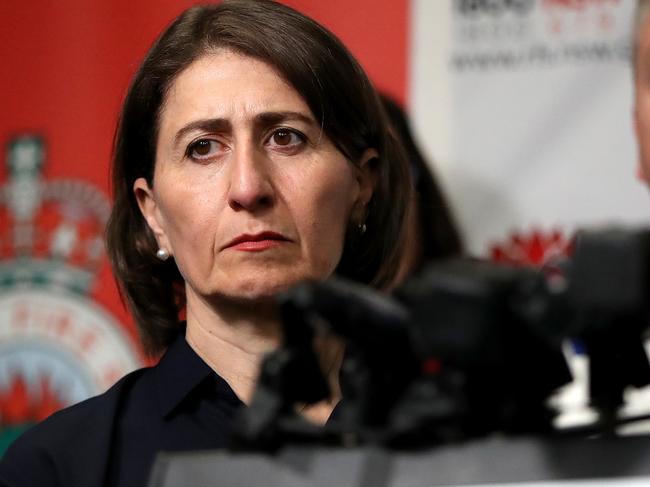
[[252, 153]]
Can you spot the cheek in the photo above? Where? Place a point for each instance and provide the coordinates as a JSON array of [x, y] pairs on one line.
[[190, 225], [322, 215]]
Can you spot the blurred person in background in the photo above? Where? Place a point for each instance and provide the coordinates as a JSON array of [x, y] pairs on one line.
[[252, 153], [641, 69], [431, 232]]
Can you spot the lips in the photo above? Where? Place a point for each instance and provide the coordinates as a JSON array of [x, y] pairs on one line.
[[256, 242]]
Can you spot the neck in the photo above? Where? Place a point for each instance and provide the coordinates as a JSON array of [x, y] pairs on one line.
[[233, 338]]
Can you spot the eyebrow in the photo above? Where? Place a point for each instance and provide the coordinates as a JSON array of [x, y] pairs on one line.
[[269, 118], [207, 125], [222, 124]]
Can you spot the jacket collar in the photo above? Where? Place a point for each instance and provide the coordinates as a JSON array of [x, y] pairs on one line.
[[180, 371]]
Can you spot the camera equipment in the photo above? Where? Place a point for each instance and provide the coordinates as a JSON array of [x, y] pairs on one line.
[[464, 349]]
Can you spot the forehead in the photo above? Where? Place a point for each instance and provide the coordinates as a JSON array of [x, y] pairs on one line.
[[232, 83]]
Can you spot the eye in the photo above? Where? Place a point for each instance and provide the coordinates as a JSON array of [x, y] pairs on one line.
[[203, 149], [286, 138]]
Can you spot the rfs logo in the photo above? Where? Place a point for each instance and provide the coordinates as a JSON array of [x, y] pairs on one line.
[[57, 344]]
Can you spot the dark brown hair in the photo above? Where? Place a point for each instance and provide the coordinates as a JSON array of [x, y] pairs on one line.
[[336, 90]]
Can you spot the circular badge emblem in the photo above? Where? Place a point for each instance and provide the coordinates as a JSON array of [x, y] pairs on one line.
[[56, 349]]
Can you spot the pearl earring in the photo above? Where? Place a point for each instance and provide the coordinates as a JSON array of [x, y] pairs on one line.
[[162, 254], [362, 228]]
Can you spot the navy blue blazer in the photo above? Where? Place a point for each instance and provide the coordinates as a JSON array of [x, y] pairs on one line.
[[181, 404]]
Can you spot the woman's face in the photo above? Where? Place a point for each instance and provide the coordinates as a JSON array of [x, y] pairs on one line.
[[248, 193]]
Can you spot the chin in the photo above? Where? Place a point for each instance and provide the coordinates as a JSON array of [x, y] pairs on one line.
[[261, 285], [256, 291]]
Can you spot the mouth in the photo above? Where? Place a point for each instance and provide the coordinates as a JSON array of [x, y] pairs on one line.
[[256, 242]]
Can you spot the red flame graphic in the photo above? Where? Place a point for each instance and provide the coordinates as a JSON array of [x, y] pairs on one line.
[[536, 248], [18, 407]]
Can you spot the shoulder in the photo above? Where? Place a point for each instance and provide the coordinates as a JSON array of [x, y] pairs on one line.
[[71, 446]]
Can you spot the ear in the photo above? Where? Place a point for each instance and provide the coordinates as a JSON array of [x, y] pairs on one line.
[[367, 180], [150, 211]]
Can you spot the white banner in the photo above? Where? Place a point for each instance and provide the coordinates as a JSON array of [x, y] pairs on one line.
[[526, 108]]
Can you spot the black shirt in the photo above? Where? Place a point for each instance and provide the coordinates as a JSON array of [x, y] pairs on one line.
[[180, 404]]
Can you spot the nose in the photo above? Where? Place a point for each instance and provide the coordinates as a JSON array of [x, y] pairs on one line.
[[251, 186]]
